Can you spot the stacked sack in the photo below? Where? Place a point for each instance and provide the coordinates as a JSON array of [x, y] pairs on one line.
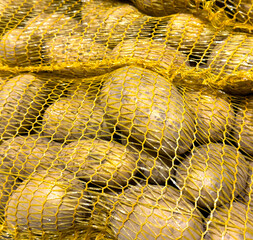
[[126, 119]]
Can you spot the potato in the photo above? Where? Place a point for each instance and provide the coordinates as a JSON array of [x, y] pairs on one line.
[[211, 173], [65, 52], [48, 201], [189, 34], [25, 46], [27, 154], [247, 194], [154, 212], [231, 223], [231, 57], [161, 56], [213, 112], [13, 12], [120, 23], [8, 183], [21, 100], [110, 22], [164, 7], [145, 106], [73, 118], [99, 161], [155, 168], [243, 132]]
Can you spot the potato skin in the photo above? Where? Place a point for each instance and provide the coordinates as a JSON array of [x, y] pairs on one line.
[[21, 100], [233, 221], [25, 46], [149, 109], [69, 53], [24, 155], [228, 58], [210, 168], [48, 201], [75, 118], [8, 183], [161, 8], [154, 168], [244, 125], [162, 56], [155, 212], [99, 161], [214, 114]]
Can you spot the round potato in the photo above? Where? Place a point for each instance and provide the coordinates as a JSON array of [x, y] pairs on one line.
[[21, 100], [211, 173], [243, 132], [99, 161], [73, 118], [213, 112], [189, 34], [162, 56], [231, 58], [48, 201], [154, 212], [25, 46], [231, 223], [145, 106], [24, 155], [244, 11]]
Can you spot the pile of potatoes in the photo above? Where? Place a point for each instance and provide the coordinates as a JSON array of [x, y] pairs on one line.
[[123, 151]]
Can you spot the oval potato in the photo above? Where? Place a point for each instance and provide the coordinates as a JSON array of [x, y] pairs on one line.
[[75, 118], [214, 114], [148, 108], [243, 132], [21, 100], [231, 223], [164, 7], [233, 58], [162, 56], [23, 155], [100, 162], [25, 46], [48, 201], [189, 34], [211, 173], [155, 212]]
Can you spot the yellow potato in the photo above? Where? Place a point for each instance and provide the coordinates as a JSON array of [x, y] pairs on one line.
[[164, 7], [101, 162], [8, 183], [162, 56], [213, 112], [243, 132], [24, 155], [232, 55], [21, 100], [231, 223], [145, 106], [74, 118], [65, 51], [155, 168], [154, 212], [48, 201], [25, 46], [211, 172], [189, 34]]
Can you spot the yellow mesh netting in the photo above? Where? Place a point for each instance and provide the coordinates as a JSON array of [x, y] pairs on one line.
[[126, 119]]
